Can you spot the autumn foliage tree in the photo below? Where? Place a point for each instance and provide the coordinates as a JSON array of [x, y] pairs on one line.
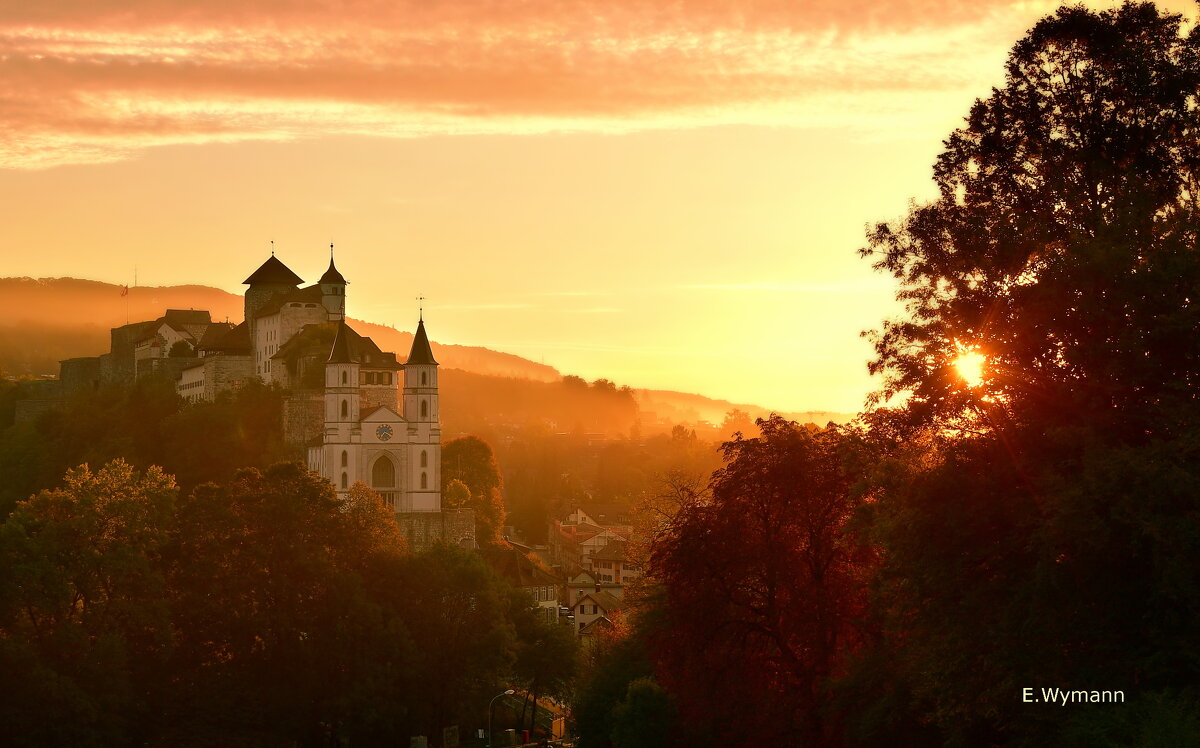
[[762, 586]]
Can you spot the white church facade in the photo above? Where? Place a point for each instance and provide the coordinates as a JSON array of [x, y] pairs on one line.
[[395, 451], [363, 415]]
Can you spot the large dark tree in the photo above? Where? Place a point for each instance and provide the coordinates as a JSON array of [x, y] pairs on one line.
[[763, 586], [1063, 246], [1046, 532]]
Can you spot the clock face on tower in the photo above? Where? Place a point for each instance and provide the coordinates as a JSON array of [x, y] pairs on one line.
[[384, 432]]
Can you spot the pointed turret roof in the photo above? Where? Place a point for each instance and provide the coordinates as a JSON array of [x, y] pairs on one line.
[[332, 275], [272, 272], [421, 353], [342, 352]]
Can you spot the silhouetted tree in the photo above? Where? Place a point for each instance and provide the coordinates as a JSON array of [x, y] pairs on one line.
[[1044, 533]]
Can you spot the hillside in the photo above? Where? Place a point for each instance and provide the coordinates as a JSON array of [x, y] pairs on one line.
[[57, 318], [50, 319]]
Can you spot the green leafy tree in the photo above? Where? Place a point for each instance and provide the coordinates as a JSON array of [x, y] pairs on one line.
[[645, 718], [547, 653], [85, 630], [456, 495], [470, 460]]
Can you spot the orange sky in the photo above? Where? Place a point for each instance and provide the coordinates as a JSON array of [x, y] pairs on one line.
[[668, 195]]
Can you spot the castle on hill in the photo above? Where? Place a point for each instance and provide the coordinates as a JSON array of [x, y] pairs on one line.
[[362, 414]]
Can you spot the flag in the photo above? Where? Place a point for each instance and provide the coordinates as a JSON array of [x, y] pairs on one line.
[[124, 290]]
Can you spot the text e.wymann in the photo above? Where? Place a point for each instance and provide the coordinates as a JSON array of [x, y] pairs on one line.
[[1059, 696]]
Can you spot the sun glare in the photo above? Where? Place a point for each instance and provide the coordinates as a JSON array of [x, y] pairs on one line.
[[970, 367]]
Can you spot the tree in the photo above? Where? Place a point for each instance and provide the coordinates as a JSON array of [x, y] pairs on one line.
[[1043, 533], [644, 718], [181, 349], [780, 580], [469, 459], [456, 495], [1062, 248], [736, 422], [547, 653], [85, 631]]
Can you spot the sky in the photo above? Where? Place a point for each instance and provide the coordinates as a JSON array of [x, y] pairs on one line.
[[668, 195]]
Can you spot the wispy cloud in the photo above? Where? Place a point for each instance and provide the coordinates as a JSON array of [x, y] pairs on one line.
[[868, 284], [483, 307], [82, 81]]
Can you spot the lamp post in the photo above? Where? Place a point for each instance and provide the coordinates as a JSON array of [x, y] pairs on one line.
[[491, 705]]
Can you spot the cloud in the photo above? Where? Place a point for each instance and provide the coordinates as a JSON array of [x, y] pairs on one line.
[[82, 81], [869, 284]]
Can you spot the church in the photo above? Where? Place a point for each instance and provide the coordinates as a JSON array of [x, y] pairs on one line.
[[363, 415]]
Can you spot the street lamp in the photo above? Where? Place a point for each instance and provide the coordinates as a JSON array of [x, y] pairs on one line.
[[492, 704]]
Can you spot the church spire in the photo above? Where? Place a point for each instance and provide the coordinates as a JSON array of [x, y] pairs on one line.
[[342, 351], [421, 353], [332, 276]]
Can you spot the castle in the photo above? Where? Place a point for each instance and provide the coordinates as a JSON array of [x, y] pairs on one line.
[[362, 415]]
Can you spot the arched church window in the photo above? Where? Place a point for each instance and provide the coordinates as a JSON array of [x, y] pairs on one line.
[[424, 377], [345, 409], [383, 473], [345, 458], [343, 377], [345, 482], [424, 458], [424, 409], [424, 481]]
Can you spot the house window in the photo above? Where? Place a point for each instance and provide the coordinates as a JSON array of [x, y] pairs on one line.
[[345, 458], [383, 473]]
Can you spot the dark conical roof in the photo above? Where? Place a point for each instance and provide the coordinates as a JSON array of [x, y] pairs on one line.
[[342, 352], [272, 272], [421, 353], [332, 275]]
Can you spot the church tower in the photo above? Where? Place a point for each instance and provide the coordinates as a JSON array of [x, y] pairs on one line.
[[333, 290], [271, 278], [342, 405], [425, 431]]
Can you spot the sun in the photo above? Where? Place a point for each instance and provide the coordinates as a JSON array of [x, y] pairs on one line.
[[970, 367]]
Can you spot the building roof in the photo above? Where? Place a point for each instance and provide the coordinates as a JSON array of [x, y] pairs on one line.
[[614, 551], [179, 317], [517, 568], [421, 353], [234, 341], [607, 602], [311, 295], [332, 275], [317, 340], [213, 334], [273, 272], [342, 351]]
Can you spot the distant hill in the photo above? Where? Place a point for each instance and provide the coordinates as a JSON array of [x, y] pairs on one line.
[[46, 320], [685, 407], [49, 319]]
